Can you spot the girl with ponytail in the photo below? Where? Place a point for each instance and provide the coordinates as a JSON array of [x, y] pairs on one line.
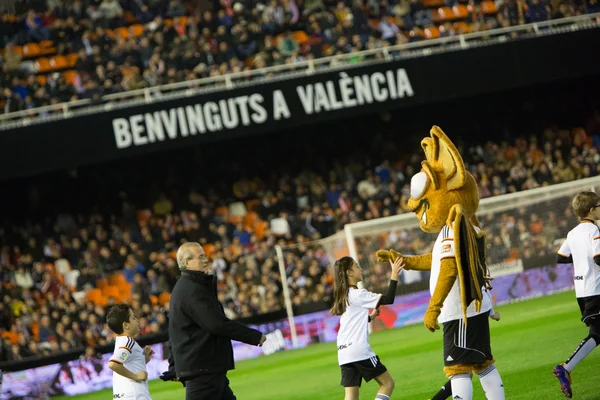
[[355, 356]]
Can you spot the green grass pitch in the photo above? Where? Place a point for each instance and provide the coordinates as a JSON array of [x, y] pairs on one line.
[[530, 339]]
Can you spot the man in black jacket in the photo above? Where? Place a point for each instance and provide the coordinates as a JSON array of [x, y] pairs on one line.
[[199, 332]]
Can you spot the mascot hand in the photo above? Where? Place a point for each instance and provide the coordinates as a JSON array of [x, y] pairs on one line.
[[387, 255], [431, 319]]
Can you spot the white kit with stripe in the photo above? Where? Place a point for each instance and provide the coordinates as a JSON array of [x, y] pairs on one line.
[[452, 308], [352, 340], [129, 353]]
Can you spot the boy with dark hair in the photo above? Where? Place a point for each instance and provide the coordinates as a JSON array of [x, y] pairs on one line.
[[582, 249], [129, 359]]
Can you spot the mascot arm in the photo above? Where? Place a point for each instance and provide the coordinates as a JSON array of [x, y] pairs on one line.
[[445, 282], [417, 263]]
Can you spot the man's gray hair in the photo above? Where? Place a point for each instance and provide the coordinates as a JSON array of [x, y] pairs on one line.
[[184, 254]]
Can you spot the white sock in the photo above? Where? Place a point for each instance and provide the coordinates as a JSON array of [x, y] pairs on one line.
[[382, 397], [462, 387], [491, 382], [585, 347]]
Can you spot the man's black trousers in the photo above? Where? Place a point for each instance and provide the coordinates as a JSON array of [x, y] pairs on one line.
[[209, 387]]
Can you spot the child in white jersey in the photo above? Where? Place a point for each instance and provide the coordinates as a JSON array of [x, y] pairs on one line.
[[129, 360], [582, 249], [355, 356]]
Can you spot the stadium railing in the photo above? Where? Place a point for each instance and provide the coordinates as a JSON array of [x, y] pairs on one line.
[[254, 77]]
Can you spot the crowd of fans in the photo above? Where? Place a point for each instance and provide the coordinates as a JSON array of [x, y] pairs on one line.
[[50, 266], [112, 46]]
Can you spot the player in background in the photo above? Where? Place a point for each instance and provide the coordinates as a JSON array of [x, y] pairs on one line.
[[582, 249], [446, 390], [356, 358], [129, 360]]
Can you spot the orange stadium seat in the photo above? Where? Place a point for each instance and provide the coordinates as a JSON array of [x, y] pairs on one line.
[[445, 13], [301, 37], [461, 27], [69, 76], [460, 11], [488, 7], [122, 33], [42, 65], [117, 279], [124, 291], [136, 30], [31, 50], [111, 291], [72, 59], [432, 32], [58, 62], [164, 298], [433, 3]]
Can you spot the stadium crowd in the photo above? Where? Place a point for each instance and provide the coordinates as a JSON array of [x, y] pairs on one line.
[[58, 51], [58, 275]]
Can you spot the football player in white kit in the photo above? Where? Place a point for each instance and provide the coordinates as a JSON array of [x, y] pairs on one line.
[[129, 359], [582, 249]]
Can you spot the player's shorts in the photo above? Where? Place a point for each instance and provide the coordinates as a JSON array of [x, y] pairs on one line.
[[590, 309], [468, 344], [353, 373]]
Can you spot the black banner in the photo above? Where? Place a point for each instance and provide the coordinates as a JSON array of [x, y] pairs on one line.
[[282, 103]]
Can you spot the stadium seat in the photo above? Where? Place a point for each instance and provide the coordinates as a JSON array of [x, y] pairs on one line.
[[488, 7], [94, 296], [301, 37], [460, 11], [136, 30], [250, 219], [31, 50], [209, 249], [432, 32], [121, 32], [124, 291], [111, 291], [47, 47], [117, 279], [164, 298], [433, 3], [153, 300], [42, 65], [72, 59], [69, 76], [260, 228], [461, 27], [58, 62]]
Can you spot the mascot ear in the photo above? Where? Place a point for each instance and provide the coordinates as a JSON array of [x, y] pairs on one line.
[[441, 152]]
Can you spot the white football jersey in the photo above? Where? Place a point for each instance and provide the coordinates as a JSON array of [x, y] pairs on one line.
[[452, 307], [352, 340], [583, 243], [131, 355]]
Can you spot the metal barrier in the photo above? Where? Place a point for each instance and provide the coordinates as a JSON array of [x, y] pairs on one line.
[[255, 77]]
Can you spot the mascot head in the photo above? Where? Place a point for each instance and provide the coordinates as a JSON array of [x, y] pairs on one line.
[[441, 184]]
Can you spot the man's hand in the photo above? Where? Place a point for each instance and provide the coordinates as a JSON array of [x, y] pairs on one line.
[[431, 319], [148, 353], [141, 376], [263, 339]]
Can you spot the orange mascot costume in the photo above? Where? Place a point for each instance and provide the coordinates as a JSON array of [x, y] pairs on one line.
[[445, 198]]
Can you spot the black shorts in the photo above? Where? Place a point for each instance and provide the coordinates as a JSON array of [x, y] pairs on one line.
[[467, 344], [353, 373], [590, 308]]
